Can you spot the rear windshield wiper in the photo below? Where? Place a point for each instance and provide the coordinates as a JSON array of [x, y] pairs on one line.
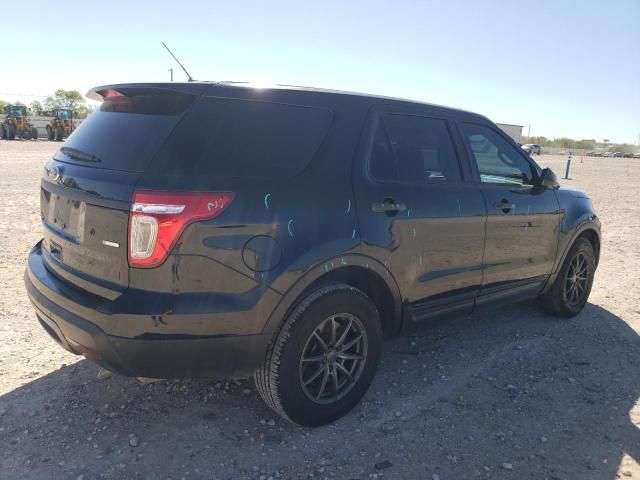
[[79, 154]]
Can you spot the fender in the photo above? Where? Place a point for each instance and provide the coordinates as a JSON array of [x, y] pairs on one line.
[[567, 237], [333, 264]]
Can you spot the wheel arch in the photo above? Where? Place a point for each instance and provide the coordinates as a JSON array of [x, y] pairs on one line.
[[589, 230], [364, 273]]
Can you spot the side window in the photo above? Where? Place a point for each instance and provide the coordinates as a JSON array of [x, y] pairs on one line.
[[243, 138], [497, 160], [382, 164], [413, 149]]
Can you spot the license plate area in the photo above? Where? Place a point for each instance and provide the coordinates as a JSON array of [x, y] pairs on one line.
[[66, 217]]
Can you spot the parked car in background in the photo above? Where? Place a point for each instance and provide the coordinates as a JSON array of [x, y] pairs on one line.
[[176, 243], [618, 154], [628, 155], [636, 155], [532, 148]]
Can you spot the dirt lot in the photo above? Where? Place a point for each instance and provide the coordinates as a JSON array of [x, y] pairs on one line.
[[510, 394]]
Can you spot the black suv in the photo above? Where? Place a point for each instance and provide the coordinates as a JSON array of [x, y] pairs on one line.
[[205, 229]]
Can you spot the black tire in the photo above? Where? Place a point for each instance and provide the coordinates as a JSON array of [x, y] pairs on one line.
[[50, 134], [26, 135], [11, 132], [280, 379], [561, 298], [34, 133], [59, 133]]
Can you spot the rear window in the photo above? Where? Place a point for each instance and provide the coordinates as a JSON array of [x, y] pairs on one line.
[[233, 138], [127, 130]]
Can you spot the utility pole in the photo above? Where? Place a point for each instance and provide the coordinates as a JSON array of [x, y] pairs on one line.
[[529, 133], [171, 70]]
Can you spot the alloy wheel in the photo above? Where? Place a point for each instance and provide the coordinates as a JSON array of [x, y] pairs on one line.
[[577, 279], [333, 358]]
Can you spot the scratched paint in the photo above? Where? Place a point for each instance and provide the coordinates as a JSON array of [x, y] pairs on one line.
[[289, 227], [413, 232], [353, 234], [408, 212], [343, 262], [267, 197], [349, 206]]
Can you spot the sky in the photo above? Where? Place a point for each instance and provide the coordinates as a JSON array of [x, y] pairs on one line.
[[557, 67]]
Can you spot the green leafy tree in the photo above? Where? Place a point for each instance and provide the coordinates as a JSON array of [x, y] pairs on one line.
[[72, 99], [84, 110], [36, 107]]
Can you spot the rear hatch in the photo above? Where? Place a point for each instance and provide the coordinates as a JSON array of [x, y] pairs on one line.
[[87, 187]]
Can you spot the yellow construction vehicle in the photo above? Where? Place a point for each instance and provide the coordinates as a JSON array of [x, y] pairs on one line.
[[61, 125], [16, 124]]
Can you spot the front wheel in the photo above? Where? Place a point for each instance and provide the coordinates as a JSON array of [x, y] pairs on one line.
[[323, 360], [570, 290], [59, 133]]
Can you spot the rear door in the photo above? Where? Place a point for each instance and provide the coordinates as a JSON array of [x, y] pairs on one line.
[[418, 213], [523, 220], [87, 187]]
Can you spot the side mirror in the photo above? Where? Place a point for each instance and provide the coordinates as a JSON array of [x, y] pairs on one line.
[[549, 180]]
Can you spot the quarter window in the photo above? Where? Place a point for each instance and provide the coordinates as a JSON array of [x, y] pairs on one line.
[[241, 138], [413, 149], [497, 160]]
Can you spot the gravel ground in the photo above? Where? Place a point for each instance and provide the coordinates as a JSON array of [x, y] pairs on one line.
[[512, 393]]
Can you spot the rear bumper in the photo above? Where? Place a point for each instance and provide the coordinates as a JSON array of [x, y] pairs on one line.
[[79, 322]]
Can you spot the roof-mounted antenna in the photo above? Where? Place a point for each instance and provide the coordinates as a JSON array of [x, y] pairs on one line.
[[174, 57]]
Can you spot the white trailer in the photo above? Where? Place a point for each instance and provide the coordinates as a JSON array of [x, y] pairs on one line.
[[514, 131]]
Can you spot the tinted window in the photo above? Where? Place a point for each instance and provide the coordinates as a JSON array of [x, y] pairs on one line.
[[413, 149], [127, 130], [224, 137], [498, 161], [383, 164]]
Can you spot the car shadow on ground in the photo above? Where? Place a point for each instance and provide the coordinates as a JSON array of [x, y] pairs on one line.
[[513, 393]]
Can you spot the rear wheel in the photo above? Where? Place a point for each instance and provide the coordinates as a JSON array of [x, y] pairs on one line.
[[11, 132], [50, 134], [570, 291], [59, 133], [324, 358], [34, 133]]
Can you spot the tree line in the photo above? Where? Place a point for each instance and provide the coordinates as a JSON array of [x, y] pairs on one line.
[[584, 144], [71, 99]]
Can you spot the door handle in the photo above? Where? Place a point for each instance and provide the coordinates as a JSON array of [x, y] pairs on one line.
[[505, 205], [388, 205]]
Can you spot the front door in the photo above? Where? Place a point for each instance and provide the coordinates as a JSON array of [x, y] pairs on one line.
[[417, 212], [523, 219]]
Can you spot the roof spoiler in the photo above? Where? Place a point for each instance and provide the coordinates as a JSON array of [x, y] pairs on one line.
[[100, 93]]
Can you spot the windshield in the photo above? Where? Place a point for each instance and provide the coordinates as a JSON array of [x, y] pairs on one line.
[[17, 111]]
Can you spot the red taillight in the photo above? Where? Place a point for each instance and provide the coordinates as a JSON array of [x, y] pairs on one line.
[[156, 221], [109, 93]]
